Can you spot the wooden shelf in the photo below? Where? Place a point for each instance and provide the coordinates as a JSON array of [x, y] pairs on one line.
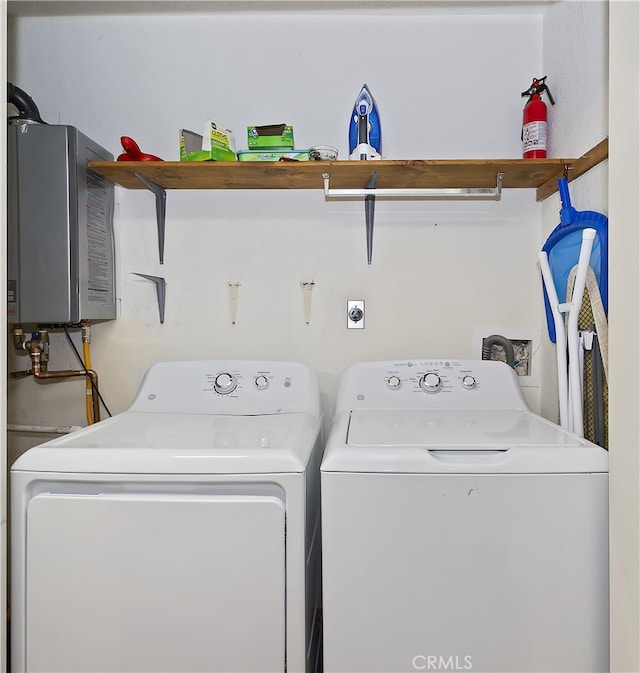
[[437, 174], [415, 174], [539, 174]]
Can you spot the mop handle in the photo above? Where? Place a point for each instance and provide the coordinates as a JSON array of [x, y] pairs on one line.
[[563, 188], [575, 384], [561, 340]]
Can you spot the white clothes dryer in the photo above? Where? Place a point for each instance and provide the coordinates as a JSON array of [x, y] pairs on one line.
[[461, 532], [181, 535]]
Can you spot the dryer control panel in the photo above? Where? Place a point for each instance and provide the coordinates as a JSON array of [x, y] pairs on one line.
[[430, 384], [242, 387]]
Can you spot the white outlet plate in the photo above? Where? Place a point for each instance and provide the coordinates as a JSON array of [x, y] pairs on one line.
[[533, 380], [355, 307]]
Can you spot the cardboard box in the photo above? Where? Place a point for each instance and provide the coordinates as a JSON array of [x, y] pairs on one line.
[[271, 136], [191, 147], [215, 144], [273, 155]]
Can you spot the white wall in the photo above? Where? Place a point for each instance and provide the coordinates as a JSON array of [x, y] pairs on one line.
[[624, 188], [447, 85], [576, 62], [3, 365]]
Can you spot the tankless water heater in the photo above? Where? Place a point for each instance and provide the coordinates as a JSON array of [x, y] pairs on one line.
[[60, 227]]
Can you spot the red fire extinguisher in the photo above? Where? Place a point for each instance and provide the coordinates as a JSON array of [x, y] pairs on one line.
[[534, 121]]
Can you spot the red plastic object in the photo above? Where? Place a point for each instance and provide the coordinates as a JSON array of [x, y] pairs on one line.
[[534, 128], [132, 151], [534, 121]]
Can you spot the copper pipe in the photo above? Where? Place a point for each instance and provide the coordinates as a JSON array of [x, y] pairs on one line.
[[41, 373], [37, 367], [38, 350]]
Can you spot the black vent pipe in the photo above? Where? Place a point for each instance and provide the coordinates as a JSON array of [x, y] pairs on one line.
[[27, 109]]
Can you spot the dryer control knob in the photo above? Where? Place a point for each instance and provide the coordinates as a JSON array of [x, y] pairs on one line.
[[262, 382], [225, 383], [431, 383], [393, 382], [469, 382]]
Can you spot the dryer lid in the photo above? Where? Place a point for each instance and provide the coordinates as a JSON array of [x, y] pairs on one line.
[[150, 443], [457, 440]]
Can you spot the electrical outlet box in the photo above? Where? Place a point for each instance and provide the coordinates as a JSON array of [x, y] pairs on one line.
[[355, 314]]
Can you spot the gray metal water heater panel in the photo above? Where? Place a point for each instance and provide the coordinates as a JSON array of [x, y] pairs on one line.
[[61, 247]]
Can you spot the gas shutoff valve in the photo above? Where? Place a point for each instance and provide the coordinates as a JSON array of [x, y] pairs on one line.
[[355, 314]]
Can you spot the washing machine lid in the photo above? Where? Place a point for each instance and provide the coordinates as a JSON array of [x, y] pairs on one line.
[[457, 440], [162, 443]]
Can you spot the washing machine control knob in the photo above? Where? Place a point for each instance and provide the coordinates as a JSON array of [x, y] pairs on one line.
[[225, 383], [262, 382], [393, 382], [431, 383], [469, 382]]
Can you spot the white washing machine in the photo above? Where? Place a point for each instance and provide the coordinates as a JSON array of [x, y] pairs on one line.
[[181, 535], [461, 532]]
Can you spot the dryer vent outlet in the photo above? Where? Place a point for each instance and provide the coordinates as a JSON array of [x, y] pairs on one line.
[[355, 314], [522, 351]]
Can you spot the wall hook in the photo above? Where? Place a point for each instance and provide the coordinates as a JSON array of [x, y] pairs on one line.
[[307, 289], [233, 300]]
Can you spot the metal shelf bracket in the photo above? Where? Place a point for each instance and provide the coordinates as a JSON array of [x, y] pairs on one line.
[[161, 291], [370, 192], [161, 210]]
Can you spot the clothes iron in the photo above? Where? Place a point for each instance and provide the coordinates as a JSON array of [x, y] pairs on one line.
[[365, 138]]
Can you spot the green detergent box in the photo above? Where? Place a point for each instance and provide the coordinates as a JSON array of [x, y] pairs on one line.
[[215, 144], [270, 137], [273, 155]]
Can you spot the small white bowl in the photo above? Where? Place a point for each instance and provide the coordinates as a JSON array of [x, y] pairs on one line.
[[323, 153]]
